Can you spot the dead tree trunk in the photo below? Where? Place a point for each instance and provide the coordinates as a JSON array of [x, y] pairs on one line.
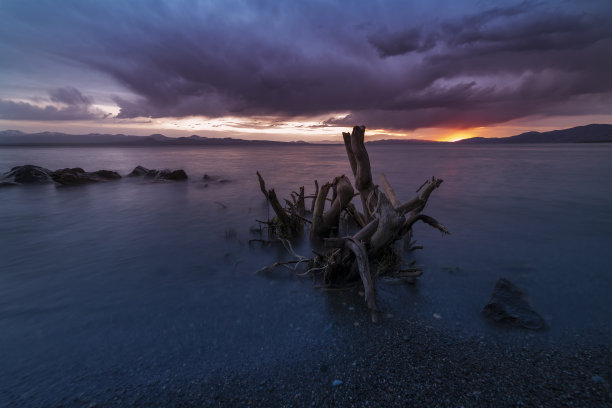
[[384, 221], [360, 165]]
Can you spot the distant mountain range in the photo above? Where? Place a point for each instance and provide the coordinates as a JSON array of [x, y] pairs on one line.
[[17, 138], [580, 134]]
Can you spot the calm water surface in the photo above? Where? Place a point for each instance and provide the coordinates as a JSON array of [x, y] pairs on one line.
[[98, 277]]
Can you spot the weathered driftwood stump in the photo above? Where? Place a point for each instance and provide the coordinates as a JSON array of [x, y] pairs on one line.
[[357, 245]]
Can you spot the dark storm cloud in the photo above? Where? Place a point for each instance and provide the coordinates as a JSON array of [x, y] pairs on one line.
[[390, 44], [392, 64], [71, 105], [69, 96], [525, 32]]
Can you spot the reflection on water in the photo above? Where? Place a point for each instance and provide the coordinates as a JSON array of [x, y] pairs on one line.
[[131, 264]]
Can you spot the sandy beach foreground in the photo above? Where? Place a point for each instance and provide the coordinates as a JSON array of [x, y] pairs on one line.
[[407, 366], [356, 364]]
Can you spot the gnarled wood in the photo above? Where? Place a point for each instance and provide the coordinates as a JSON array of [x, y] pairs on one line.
[[301, 205], [389, 191], [356, 215], [360, 165], [323, 223], [343, 194], [418, 203], [389, 226], [270, 195], [312, 205], [426, 219], [384, 221], [363, 264], [317, 213], [366, 232]]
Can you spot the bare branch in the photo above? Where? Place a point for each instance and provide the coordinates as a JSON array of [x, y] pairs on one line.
[[417, 204], [276, 206], [364, 271], [389, 191], [426, 219], [317, 213]]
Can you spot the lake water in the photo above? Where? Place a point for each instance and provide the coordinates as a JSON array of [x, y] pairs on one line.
[[96, 278]]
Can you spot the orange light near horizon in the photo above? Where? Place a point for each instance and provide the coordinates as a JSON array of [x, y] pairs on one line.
[[385, 133], [454, 136]]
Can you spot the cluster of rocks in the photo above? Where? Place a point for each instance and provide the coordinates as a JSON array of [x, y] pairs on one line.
[[164, 174], [76, 176], [29, 174]]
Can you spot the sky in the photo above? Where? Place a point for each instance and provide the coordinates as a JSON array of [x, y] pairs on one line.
[[305, 70]]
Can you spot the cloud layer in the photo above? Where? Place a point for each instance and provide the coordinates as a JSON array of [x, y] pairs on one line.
[[68, 104], [390, 65]]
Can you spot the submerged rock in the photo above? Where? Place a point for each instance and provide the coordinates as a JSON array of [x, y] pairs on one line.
[[106, 174], [165, 174], [509, 305], [77, 176], [27, 174], [208, 178]]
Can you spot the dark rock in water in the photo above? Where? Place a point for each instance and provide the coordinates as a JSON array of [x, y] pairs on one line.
[[164, 174], [27, 174], [77, 176], [107, 174], [139, 171], [175, 175], [206, 177], [509, 305]]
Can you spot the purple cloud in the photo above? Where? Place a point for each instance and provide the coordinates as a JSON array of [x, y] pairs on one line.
[[392, 65], [402, 42]]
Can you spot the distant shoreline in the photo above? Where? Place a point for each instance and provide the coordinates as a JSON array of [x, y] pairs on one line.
[[282, 144], [594, 133]]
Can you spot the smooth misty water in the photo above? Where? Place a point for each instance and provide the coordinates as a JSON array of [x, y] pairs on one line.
[[100, 278]]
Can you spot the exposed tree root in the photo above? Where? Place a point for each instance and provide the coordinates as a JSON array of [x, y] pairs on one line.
[[358, 247]]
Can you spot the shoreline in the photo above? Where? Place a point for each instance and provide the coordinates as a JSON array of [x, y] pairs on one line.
[[415, 366]]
